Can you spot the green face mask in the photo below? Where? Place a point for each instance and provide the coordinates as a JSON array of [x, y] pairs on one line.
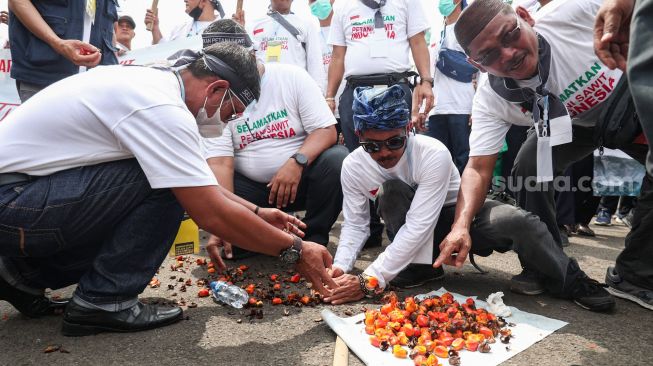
[[321, 9], [446, 7]]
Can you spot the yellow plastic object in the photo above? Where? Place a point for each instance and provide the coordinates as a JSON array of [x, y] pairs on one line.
[[187, 240]]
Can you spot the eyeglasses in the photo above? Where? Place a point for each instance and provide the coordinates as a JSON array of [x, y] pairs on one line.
[[509, 38], [393, 143]]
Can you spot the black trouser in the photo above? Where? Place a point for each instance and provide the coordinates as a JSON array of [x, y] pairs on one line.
[[640, 68], [496, 227], [610, 203], [580, 206], [514, 139], [351, 139], [635, 263], [319, 193]]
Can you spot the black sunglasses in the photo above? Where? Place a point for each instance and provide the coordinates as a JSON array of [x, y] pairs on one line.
[[393, 143], [509, 38]]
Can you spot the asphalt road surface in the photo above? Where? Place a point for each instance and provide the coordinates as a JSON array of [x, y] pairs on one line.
[[212, 334]]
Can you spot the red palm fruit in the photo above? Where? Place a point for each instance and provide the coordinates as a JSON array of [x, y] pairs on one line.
[[441, 351]]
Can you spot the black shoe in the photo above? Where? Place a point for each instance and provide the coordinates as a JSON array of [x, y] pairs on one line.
[[79, 321], [591, 295], [33, 306], [374, 241], [416, 275], [619, 287], [526, 283], [584, 230]]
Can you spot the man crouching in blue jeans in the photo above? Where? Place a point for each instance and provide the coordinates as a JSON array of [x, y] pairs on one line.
[[96, 172], [414, 184]]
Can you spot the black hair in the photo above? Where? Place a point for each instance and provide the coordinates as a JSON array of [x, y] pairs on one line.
[[238, 58]]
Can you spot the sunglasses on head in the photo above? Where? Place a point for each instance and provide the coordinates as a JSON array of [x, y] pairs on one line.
[[508, 39], [393, 143]]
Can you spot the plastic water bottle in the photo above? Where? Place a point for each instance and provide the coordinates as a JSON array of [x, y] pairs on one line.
[[231, 295]]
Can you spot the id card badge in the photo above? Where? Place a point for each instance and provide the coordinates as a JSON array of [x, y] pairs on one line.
[[273, 52], [544, 159], [378, 44], [561, 132]]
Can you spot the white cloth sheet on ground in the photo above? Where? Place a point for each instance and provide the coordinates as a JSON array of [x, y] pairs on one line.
[[528, 330]]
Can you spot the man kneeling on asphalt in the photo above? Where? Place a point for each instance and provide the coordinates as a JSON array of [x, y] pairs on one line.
[[282, 152], [99, 202], [414, 184]]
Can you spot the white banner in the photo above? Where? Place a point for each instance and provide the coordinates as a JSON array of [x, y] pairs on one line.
[[155, 54]]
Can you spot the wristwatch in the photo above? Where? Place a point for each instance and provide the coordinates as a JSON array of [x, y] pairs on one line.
[[428, 80], [301, 159], [292, 254]]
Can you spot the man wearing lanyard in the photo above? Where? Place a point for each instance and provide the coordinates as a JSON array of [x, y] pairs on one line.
[[537, 77], [46, 45], [202, 13], [282, 36]]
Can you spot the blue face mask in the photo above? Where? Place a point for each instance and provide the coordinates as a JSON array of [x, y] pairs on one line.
[[446, 7], [321, 9]]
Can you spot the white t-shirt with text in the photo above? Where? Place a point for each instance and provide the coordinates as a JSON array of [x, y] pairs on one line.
[[290, 107], [426, 165], [577, 76], [137, 113], [188, 28], [266, 33], [451, 96], [352, 26]]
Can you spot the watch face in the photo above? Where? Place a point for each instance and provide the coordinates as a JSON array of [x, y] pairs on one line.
[[291, 256], [301, 159]]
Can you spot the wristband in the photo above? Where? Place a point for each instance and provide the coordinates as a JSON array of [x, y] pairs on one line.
[[330, 99], [428, 80]]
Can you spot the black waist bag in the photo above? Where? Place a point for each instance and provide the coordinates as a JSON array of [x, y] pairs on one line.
[[383, 79], [618, 123]]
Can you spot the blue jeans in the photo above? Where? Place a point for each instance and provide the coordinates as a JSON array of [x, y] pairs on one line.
[[100, 226], [453, 131]]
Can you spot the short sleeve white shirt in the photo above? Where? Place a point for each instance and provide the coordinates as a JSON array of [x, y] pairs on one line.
[[577, 76], [290, 107], [137, 113], [266, 32], [188, 28], [352, 26], [451, 96]]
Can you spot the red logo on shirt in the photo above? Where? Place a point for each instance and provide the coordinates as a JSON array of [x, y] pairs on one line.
[[374, 192], [354, 17], [257, 31]]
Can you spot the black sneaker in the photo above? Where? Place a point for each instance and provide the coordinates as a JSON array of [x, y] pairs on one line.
[[591, 295], [416, 275], [526, 283], [626, 290]]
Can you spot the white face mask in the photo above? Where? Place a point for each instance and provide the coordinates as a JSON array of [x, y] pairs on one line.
[[211, 127]]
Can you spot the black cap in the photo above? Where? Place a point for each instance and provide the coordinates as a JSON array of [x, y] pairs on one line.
[[128, 19]]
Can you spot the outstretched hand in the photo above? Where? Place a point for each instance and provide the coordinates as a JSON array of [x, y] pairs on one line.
[[313, 265], [454, 248]]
